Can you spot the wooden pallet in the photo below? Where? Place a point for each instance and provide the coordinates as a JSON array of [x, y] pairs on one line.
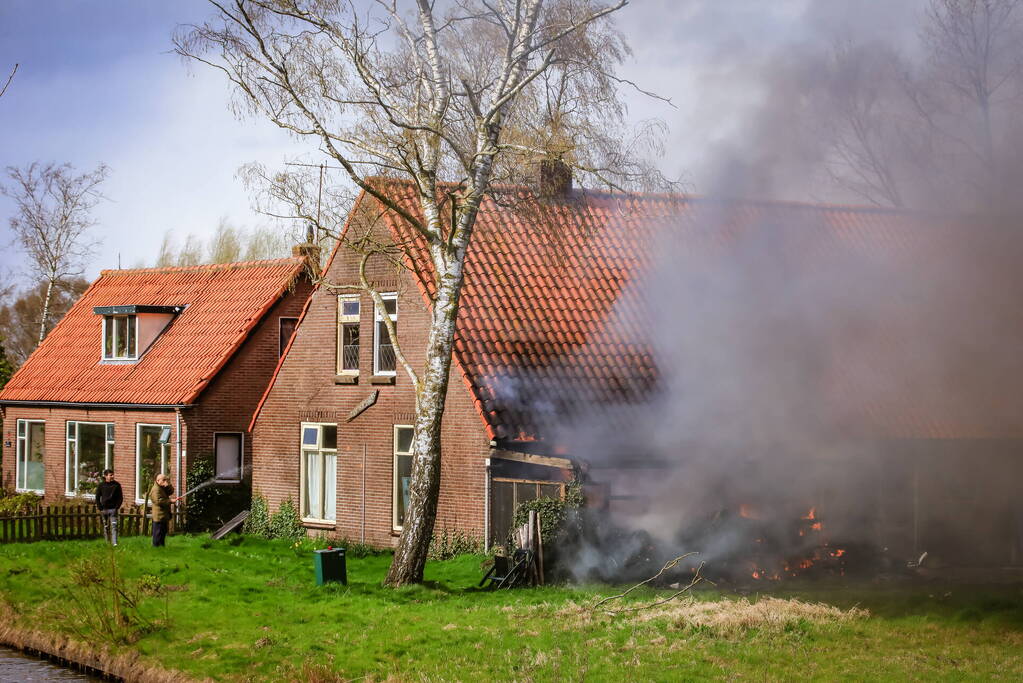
[[235, 522]]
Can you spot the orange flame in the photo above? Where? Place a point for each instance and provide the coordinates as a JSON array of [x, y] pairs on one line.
[[812, 514]]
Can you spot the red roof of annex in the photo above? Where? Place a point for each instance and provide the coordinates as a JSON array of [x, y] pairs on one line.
[[223, 304]]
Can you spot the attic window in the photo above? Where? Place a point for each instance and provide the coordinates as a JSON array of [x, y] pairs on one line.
[[120, 337], [129, 331]]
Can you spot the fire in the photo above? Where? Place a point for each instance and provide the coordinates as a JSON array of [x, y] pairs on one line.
[[838, 552], [747, 511], [812, 514]]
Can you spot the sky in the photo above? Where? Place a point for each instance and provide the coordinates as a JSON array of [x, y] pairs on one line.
[[98, 83]]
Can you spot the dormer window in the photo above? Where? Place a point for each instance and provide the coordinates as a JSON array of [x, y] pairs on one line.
[[120, 337], [129, 331]]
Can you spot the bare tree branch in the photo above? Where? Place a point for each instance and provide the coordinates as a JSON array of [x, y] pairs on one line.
[[9, 79]]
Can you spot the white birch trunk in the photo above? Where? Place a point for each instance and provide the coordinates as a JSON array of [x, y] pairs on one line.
[[46, 311]]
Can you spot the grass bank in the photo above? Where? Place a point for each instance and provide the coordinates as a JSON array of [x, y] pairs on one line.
[[250, 611]]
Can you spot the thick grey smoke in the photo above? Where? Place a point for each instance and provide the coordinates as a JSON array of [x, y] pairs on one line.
[[854, 385]]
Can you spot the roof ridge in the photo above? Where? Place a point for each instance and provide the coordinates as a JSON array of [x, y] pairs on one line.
[[204, 266], [687, 197]]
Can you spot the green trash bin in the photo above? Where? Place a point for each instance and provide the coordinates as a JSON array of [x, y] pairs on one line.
[[330, 566]]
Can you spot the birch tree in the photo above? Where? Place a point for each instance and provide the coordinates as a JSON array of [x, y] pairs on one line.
[[52, 222], [429, 95]]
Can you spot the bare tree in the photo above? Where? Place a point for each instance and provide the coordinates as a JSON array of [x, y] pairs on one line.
[[429, 97], [19, 319], [862, 121], [53, 220], [943, 131], [191, 252], [226, 244]]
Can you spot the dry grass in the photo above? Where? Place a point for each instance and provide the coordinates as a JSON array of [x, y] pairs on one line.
[[726, 617], [730, 617]]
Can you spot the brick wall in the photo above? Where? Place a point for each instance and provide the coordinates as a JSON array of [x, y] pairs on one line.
[[56, 419], [305, 391], [228, 403]]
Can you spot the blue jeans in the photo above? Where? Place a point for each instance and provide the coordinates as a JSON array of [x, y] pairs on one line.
[[109, 519]]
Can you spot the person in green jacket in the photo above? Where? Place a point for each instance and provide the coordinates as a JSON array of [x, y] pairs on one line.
[[162, 495]]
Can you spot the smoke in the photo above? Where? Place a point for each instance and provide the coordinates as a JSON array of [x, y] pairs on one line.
[[846, 379]]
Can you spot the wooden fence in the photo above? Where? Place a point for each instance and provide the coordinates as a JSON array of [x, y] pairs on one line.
[[61, 522]]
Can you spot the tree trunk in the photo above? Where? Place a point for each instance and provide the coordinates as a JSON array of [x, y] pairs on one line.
[[421, 513], [46, 311]]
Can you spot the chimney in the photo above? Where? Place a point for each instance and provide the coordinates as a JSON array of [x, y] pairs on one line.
[[555, 179], [311, 253]]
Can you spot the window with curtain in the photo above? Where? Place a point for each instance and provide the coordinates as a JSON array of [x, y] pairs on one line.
[[319, 472], [29, 461]]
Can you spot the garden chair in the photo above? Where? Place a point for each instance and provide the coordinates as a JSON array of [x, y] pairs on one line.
[[509, 572]]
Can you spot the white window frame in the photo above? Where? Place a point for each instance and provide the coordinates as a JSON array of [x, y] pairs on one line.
[[377, 319], [394, 472], [108, 453], [21, 451], [108, 321], [343, 320], [241, 458], [138, 456], [316, 448]]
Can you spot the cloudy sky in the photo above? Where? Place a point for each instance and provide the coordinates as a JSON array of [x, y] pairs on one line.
[[97, 83]]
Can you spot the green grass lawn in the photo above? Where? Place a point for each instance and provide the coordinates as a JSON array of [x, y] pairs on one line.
[[249, 610]]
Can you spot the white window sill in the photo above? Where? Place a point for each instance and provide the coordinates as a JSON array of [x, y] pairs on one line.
[[118, 361], [86, 496], [322, 523], [36, 491]]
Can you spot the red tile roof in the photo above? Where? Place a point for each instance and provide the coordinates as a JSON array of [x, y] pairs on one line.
[[223, 303], [544, 280]]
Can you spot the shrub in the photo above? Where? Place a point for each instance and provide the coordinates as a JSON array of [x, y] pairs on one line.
[[321, 541], [103, 606], [551, 511], [258, 523], [451, 543], [12, 503], [285, 523]]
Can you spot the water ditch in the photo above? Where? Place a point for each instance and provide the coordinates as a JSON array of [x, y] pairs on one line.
[[17, 667]]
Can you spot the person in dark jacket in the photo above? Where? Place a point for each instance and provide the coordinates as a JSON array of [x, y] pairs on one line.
[[108, 501], [162, 495]]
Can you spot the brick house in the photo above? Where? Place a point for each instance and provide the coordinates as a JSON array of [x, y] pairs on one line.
[[545, 274], [151, 370]]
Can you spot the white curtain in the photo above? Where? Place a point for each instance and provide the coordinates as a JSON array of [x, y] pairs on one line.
[[330, 486], [313, 492]]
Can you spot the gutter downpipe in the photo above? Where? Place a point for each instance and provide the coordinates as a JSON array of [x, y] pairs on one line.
[[177, 440], [486, 507]]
